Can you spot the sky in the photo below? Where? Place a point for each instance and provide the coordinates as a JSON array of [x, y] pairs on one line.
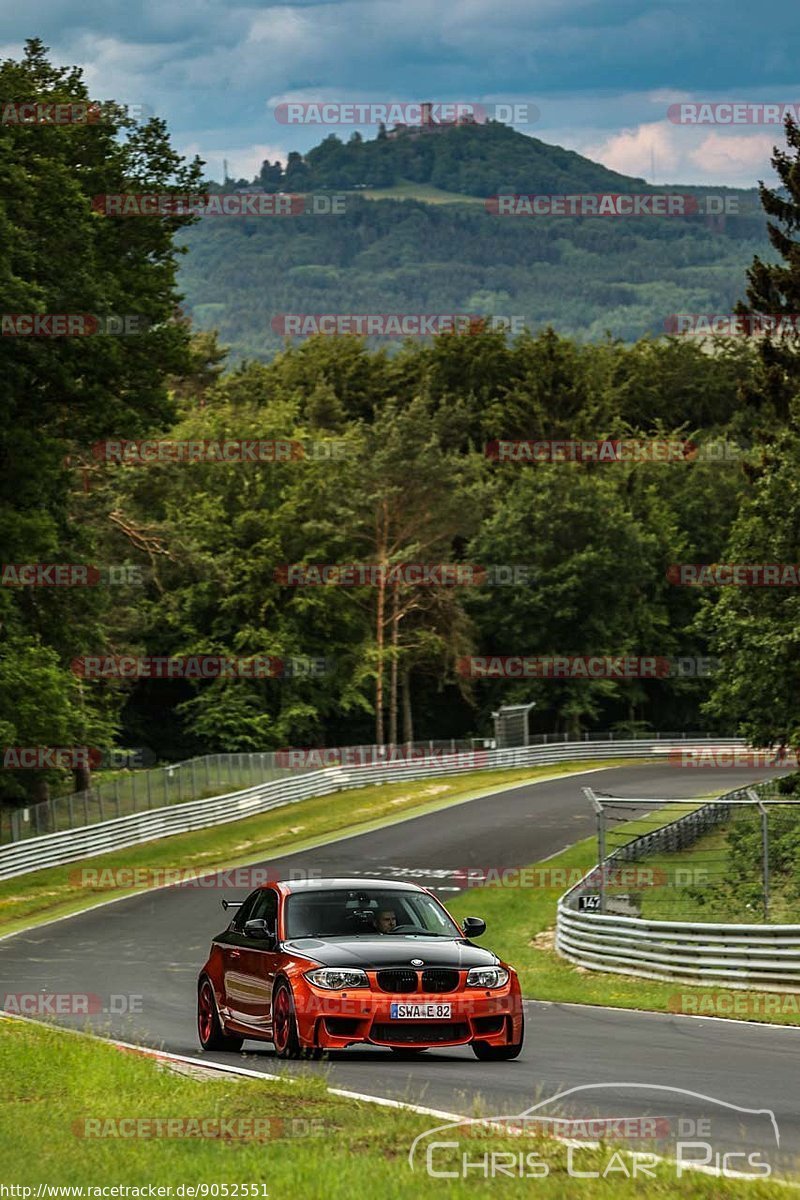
[[601, 74]]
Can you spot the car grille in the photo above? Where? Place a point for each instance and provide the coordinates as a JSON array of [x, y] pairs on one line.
[[433, 979], [427, 1032], [400, 980], [439, 979]]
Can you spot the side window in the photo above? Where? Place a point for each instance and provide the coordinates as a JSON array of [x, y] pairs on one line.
[[266, 908], [245, 912]]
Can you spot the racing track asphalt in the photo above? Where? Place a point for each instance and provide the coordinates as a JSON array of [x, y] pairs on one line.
[[151, 945]]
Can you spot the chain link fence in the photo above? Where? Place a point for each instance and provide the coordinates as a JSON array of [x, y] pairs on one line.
[[732, 859]]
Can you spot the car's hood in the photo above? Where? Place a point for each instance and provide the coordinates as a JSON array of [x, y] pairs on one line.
[[390, 951]]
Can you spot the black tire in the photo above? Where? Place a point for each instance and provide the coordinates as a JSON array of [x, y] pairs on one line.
[[285, 1037], [486, 1053], [209, 1030]]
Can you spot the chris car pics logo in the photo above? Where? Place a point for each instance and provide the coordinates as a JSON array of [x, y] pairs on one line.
[[673, 1130]]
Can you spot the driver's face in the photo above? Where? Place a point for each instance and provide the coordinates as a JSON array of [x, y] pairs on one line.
[[386, 921]]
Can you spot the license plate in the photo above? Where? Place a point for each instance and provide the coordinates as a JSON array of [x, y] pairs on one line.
[[419, 1012]]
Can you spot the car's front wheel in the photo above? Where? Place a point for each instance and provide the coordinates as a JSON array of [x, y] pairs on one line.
[[212, 1035], [285, 1037], [486, 1053]]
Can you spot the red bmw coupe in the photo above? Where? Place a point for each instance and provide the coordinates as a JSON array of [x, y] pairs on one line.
[[323, 965]]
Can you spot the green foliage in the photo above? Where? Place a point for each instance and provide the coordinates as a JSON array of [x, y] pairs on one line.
[[582, 275], [395, 468]]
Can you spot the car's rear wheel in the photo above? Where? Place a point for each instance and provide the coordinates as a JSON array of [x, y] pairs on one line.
[[486, 1053], [285, 1037], [209, 1029]]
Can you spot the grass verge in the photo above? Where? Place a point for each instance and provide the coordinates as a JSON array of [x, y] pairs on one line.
[[59, 891], [58, 1087]]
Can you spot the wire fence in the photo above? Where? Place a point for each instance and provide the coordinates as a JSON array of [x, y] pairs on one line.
[[140, 790], [736, 859]]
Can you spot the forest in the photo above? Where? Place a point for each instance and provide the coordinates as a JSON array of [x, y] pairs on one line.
[[194, 485]]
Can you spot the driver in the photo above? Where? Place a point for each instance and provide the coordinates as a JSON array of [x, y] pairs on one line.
[[386, 921]]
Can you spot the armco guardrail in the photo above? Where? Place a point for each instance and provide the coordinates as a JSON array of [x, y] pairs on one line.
[[731, 955], [67, 846], [139, 790]]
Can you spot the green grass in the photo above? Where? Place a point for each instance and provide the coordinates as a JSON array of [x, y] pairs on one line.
[[714, 893], [521, 929], [313, 1144], [408, 190], [709, 854], [58, 891]]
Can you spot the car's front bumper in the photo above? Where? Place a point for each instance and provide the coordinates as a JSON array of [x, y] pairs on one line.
[[335, 1020]]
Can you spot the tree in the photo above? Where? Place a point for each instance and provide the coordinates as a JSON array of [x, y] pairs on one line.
[[61, 254], [271, 176], [755, 630], [773, 289]]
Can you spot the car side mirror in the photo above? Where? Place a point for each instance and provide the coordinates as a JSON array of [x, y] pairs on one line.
[[259, 929], [473, 926]]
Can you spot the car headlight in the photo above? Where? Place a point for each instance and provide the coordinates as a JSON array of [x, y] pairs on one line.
[[487, 977], [337, 978]]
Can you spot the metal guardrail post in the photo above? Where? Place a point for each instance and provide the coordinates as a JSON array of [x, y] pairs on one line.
[[601, 845], [764, 847]]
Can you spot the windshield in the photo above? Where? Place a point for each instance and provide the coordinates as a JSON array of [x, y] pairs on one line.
[[343, 912]]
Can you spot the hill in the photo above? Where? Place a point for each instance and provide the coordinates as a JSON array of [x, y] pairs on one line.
[[475, 160], [420, 239]]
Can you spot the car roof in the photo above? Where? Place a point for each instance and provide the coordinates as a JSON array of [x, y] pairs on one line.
[[308, 885]]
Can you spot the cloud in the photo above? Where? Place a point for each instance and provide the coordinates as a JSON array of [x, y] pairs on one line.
[[638, 151], [727, 155], [211, 69]]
